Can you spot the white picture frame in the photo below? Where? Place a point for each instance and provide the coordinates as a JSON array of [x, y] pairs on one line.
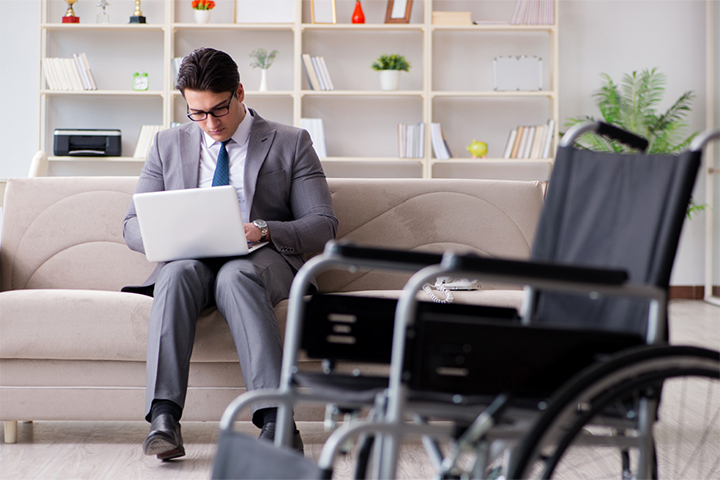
[[264, 11], [323, 11]]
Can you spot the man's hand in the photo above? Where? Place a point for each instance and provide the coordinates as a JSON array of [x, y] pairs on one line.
[[253, 233]]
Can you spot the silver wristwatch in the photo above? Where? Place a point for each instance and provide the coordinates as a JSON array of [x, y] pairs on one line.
[[262, 225]]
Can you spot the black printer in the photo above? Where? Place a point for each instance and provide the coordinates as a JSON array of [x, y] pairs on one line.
[[87, 143]]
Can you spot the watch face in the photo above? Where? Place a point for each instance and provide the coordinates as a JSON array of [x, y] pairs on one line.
[[260, 223]]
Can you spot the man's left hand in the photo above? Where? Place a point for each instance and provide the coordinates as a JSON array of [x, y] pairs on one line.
[[253, 233]]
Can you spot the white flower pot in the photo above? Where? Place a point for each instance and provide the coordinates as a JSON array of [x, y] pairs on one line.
[[389, 79], [263, 80], [202, 16]]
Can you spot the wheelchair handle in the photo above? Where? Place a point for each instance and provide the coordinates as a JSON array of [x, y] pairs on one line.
[[606, 130], [702, 139], [534, 270], [416, 260]]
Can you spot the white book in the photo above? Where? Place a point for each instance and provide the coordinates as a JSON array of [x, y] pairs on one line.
[[529, 142], [438, 141], [510, 143], [88, 71], [325, 72], [538, 140], [421, 140], [49, 80], [314, 127], [74, 74], [401, 139], [310, 72], [81, 71], [549, 135], [318, 72], [64, 79]]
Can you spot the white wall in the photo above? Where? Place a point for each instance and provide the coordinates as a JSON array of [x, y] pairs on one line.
[[598, 36]]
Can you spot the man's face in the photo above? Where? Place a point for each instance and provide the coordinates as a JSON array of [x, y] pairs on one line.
[[223, 127]]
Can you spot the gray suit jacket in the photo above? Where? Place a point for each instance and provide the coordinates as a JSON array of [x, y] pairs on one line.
[[284, 185]]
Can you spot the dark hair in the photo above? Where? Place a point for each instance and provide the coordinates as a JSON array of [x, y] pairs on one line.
[[207, 69]]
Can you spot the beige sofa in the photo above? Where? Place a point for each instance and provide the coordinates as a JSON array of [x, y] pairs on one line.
[[72, 346]]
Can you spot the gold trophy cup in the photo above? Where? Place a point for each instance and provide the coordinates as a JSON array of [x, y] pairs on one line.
[[70, 13], [137, 16]]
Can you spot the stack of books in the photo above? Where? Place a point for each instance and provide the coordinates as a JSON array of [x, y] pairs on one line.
[[451, 18], [411, 140], [315, 128], [68, 74], [176, 62], [530, 141], [145, 140], [439, 143], [317, 73], [533, 12]]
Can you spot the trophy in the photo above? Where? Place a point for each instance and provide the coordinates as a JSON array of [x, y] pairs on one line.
[[103, 17], [137, 16], [70, 13]]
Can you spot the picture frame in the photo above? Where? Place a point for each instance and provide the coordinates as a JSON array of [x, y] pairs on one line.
[[323, 11], [398, 11]]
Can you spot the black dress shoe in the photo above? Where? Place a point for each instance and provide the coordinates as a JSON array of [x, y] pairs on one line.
[[268, 433], [164, 439]]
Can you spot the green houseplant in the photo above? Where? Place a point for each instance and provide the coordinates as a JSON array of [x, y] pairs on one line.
[[390, 67], [631, 105]]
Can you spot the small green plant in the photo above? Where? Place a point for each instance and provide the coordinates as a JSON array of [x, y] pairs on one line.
[[263, 59], [391, 62]]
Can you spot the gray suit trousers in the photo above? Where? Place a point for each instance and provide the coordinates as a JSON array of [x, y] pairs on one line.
[[244, 289]]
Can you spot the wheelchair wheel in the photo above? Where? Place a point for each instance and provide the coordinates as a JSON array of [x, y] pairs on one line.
[[653, 412]]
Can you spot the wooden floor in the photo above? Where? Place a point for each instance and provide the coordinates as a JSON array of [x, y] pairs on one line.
[[111, 450]]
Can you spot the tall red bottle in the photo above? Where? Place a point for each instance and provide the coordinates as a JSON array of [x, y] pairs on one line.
[[358, 15]]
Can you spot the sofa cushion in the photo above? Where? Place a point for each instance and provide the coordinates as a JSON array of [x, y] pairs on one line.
[[95, 325]]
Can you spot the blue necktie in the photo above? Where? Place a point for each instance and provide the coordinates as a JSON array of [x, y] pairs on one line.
[[222, 170]]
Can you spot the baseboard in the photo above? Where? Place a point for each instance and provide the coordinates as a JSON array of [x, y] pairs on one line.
[[687, 292]]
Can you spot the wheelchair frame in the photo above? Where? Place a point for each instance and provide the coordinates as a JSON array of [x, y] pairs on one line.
[[393, 426]]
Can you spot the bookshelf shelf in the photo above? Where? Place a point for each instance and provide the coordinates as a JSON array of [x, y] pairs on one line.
[[127, 93], [450, 80], [97, 159]]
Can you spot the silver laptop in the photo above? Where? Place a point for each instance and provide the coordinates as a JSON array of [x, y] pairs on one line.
[[192, 223]]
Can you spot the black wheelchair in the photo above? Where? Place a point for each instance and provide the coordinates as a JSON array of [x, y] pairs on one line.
[[580, 384]]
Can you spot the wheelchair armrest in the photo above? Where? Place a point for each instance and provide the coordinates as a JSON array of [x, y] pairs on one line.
[[404, 259], [535, 270]]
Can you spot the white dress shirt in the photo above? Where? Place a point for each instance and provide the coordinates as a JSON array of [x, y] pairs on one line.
[[237, 153]]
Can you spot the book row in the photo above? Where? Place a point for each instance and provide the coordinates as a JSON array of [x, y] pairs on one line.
[[317, 73], [316, 129], [530, 141], [533, 12], [411, 140], [68, 74]]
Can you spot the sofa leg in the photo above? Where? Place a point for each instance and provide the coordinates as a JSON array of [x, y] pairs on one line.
[[11, 430]]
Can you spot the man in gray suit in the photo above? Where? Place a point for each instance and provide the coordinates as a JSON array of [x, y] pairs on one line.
[[282, 190]]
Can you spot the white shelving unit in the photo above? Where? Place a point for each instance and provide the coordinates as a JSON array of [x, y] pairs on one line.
[[450, 80]]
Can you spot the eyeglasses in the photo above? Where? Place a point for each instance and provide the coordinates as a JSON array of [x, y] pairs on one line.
[[215, 112]]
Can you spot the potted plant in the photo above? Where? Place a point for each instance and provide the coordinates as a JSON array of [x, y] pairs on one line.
[[202, 10], [390, 67], [263, 60], [631, 106]]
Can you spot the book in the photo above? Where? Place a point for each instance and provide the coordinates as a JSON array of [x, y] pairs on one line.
[[176, 63], [88, 71], [510, 143], [451, 18], [81, 71], [310, 72], [528, 142], [318, 73], [439, 143], [325, 73], [73, 74], [537, 141], [145, 140], [516, 145], [314, 127], [49, 79], [549, 135]]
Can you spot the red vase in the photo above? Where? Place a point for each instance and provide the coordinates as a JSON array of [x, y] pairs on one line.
[[358, 15]]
